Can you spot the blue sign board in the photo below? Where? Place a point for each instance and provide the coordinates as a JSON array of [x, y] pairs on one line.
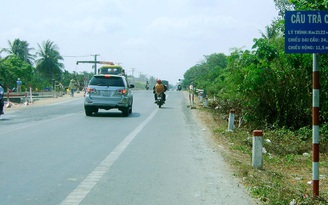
[[306, 32]]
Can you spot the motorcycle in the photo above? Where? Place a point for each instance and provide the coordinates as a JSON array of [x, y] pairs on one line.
[[179, 87], [1, 99], [160, 100]]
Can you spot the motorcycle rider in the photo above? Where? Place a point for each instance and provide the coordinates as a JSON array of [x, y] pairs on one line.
[[1, 100], [159, 88], [147, 85], [179, 87]]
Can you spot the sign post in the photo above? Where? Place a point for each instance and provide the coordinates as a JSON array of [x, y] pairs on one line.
[[307, 32], [315, 127]]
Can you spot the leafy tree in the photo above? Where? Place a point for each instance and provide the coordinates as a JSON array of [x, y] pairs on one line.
[[82, 79], [21, 50], [291, 5], [310, 4], [287, 86], [267, 86], [18, 64], [300, 59], [12, 68], [152, 81], [283, 6], [48, 63], [208, 71]]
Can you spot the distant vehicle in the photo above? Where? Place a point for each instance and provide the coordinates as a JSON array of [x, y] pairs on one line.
[[147, 85], [111, 69], [166, 83], [179, 86], [107, 91]]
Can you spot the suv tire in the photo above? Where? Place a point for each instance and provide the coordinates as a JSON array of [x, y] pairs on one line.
[[88, 111], [130, 110], [126, 111]]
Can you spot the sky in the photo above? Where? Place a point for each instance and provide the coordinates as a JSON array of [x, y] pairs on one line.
[[155, 38]]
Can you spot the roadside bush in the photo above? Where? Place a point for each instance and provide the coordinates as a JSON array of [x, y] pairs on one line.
[[285, 142]]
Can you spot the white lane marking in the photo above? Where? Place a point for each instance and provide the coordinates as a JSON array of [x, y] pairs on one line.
[[81, 191]]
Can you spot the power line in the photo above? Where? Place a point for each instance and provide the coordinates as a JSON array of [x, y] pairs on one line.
[[75, 56]]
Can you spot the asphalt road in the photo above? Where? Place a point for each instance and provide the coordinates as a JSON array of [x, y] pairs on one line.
[[54, 154]]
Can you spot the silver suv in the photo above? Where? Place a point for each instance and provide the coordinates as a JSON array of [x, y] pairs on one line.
[[108, 92]]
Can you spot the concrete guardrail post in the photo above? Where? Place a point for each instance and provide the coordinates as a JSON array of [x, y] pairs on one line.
[[31, 98], [206, 102], [257, 160], [8, 98], [231, 120]]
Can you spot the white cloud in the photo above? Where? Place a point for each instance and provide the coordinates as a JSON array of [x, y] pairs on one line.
[[96, 25], [136, 43], [168, 23]]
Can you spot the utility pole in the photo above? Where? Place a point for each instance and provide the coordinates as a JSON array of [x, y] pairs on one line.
[[133, 69], [95, 62], [95, 55]]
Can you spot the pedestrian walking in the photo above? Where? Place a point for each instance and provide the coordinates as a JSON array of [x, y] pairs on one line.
[[72, 87], [19, 85]]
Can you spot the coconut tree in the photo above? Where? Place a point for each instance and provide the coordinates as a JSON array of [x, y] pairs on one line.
[[20, 49], [48, 62]]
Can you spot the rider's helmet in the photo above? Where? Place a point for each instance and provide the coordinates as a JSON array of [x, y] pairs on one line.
[[159, 81]]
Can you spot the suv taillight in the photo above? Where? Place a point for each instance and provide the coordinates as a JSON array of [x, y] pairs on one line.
[[91, 90], [123, 91]]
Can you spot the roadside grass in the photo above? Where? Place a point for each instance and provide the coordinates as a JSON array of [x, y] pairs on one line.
[[286, 174]]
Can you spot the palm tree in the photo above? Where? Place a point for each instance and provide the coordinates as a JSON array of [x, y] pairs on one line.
[[48, 63], [21, 50]]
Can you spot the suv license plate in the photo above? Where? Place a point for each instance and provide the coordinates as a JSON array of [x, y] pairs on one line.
[[106, 93]]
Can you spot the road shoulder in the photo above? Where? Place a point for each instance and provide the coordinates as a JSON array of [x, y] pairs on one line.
[[41, 102]]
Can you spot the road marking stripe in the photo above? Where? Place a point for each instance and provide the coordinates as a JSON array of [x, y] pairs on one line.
[[81, 191]]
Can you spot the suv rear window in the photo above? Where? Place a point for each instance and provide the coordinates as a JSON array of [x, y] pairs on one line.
[[107, 81]]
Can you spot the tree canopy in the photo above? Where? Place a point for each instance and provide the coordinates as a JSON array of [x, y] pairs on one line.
[[19, 63], [48, 63], [21, 50], [267, 86]]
